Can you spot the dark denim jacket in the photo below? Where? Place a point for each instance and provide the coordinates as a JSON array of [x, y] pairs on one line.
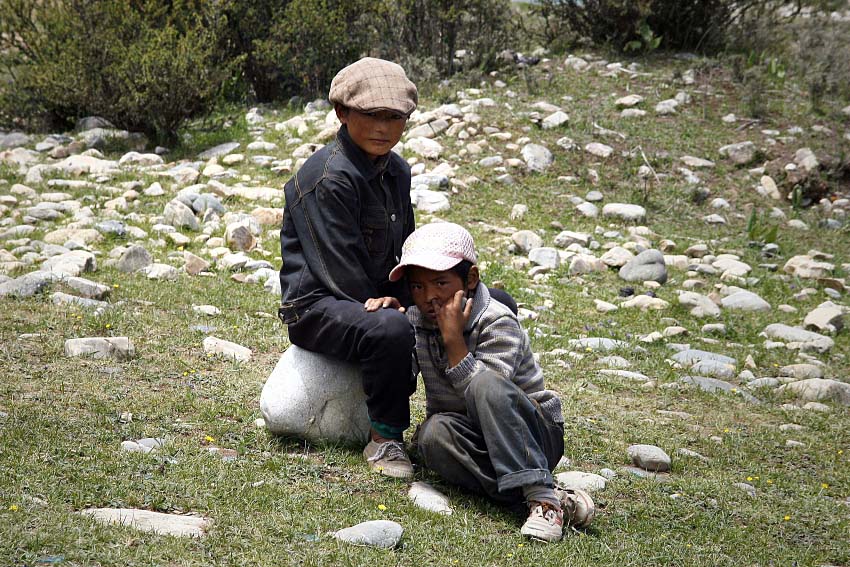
[[344, 222]]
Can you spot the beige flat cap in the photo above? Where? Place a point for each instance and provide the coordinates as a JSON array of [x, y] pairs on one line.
[[374, 84]]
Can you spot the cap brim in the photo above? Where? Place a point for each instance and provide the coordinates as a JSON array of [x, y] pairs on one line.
[[434, 262]]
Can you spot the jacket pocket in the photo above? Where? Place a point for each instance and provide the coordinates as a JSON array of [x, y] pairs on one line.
[[373, 226]]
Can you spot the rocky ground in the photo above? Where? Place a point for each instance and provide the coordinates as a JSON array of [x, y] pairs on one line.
[[680, 267]]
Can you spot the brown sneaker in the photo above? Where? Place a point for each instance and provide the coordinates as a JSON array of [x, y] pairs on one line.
[[544, 523], [389, 459], [578, 506]]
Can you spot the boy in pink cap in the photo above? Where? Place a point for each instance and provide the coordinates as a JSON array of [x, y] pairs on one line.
[[491, 426]]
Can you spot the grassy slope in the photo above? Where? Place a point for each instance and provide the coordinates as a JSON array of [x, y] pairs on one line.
[[275, 504]]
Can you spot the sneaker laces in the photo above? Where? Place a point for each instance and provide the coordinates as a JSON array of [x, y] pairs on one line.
[[391, 450]]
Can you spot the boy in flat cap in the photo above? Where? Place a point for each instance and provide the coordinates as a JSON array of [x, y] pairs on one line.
[[346, 216]]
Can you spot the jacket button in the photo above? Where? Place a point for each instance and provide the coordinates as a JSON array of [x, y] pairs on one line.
[[392, 217]]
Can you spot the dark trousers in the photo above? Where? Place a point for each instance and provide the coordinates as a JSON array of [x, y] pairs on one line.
[[504, 441], [381, 342]]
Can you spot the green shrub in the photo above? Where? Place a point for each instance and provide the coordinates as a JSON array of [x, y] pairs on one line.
[[143, 65]]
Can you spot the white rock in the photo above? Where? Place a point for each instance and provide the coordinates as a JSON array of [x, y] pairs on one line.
[[667, 106], [554, 120], [315, 397], [701, 306], [745, 301], [581, 480], [119, 348], [624, 211], [159, 271], [429, 498], [71, 263], [825, 318], [537, 158], [696, 162], [741, 153], [210, 310], [424, 147], [227, 349], [807, 267], [628, 101], [147, 521], [796, 338], [599, 150], [649, 457], [818, 389], [429, 201], [376, 533]]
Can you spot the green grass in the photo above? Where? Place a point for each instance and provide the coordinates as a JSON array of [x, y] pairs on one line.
[[278, 501]]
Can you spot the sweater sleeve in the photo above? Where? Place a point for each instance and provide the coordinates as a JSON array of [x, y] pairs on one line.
[[498, 348]]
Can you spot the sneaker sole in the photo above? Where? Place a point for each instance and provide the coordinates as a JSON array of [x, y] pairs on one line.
[[540, 534]]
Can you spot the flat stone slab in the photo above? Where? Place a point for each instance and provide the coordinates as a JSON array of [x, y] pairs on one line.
[[314, 397], [376, 533], [119, 348], [147, 521]]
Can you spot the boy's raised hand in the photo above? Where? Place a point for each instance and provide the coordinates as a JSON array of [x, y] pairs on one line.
[[375, 303], [453, 315], [452, 318]]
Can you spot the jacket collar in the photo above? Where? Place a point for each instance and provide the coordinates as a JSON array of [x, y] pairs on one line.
[[480, 303], [361, 161]]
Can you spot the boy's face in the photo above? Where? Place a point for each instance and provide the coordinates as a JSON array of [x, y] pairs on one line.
[[432, 289], [374, 132]]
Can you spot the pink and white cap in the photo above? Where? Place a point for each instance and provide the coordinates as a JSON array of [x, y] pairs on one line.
[[436, 246]]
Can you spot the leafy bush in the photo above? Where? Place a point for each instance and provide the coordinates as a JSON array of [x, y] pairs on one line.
[[143, 65], [640, 24]]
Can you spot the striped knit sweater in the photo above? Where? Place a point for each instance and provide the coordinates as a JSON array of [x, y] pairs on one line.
[[496, 341]]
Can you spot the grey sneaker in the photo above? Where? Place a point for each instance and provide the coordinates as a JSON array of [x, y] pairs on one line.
[[577, 505], [544, 523], [389, 459]]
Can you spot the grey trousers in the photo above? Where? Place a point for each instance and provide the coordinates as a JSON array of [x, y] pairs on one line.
[[504, 441]]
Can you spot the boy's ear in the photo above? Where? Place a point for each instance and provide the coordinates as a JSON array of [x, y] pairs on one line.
[[472, 278], [341, 112]]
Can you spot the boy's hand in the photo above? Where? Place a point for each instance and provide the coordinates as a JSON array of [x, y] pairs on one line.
[[451, 319], [375, 303], [453, 316]]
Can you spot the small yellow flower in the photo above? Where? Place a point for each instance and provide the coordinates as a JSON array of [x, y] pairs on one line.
[[13, 508], [185, 373], [209, 439], [756, 477], [588, 349], [726, 430], [733, 390], [521, 545], [687, 545], [510, 555], [749, 478], [769, 481], [115, 286], [840, 452], [786, 518], [108, 326], [381, 507], [180, 248], [824, 485], [775, 365]]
